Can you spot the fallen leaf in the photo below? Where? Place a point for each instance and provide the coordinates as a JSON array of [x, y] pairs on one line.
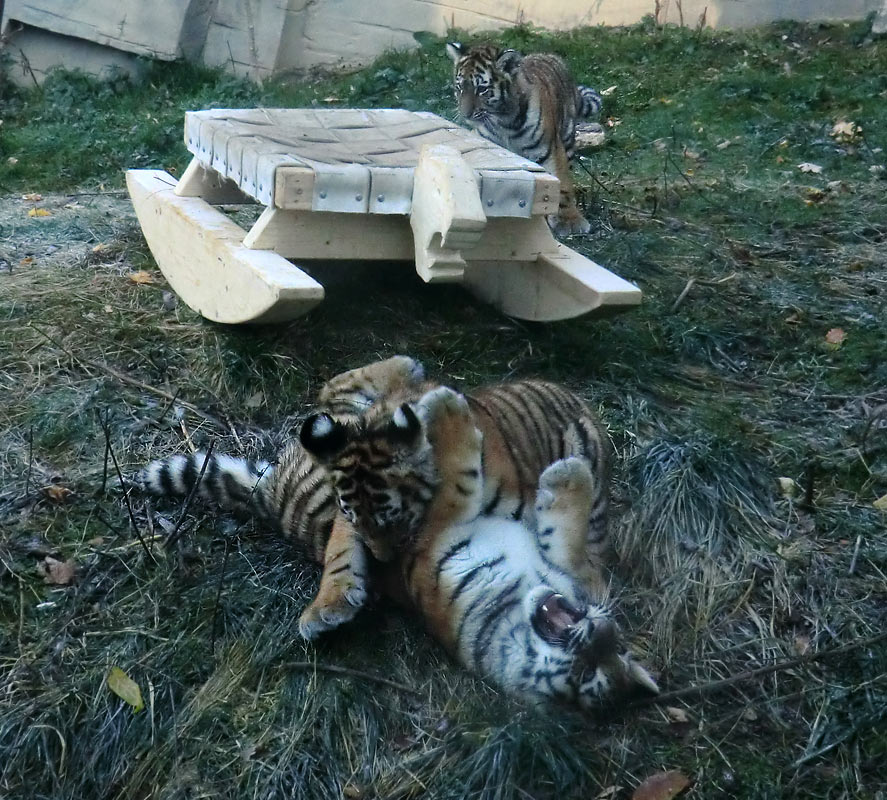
[[788, 487], [662, 786], [802, 644], [780, 160], [750, 714], [100, 248], [676, 714], [26, 261], [255, 400], [724, 145], [806, 166], [352, 791], [57, 493], [39, 212], [32, 197], [58, 573], [125, 688], [612, 122], [881, 503], [835, 338], [845, 131], [877, 169], [140, 277], [814, 195], [794, 318], [608, 91], [607, 794], [12, 161]]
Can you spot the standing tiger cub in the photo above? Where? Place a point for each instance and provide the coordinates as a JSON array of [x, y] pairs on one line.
[[528, 104]]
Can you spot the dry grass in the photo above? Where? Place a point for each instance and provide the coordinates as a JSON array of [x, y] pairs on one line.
[[709, 402]]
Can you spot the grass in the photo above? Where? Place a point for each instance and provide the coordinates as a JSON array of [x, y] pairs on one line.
[[709, 401]]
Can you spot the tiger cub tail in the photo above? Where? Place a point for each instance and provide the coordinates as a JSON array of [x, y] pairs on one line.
[[226, 481], [588, 101]]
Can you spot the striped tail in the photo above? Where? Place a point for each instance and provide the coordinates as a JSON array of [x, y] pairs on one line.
[[588, 101], [226, 481]]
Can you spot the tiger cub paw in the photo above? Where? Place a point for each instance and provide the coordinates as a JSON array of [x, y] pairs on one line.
[[323, 616], [448, 419], [568, 478], [568, 224]]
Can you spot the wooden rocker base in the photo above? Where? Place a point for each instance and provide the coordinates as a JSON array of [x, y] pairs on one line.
[[201, 253], [366, 184]]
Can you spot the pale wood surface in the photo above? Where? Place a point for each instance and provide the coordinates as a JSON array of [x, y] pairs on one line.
[[202, 255]]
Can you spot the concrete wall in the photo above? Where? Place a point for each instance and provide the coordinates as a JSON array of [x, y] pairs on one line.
[[259, 37]]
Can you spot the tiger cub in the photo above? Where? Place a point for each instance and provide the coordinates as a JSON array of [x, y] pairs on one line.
[[508, 599], [528, 104], [368, 454]]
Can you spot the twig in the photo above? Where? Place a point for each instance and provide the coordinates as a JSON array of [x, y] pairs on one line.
[[683, 294], [132, 517], [351, 673], [855, 554], [212, 642], [174, 534], [780, 666], [30, 460]]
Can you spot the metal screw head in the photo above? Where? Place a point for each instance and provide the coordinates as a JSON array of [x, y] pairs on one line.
[[358, 197], [489, 202], [545, 198], [380, 198], [322, 195], [522, 203]]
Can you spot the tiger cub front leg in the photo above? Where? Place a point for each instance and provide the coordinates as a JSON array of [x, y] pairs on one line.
[[343, 585], [457, 446], [563, 504]]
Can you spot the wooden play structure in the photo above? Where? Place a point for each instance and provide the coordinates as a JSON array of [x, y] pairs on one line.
[[380, 184]]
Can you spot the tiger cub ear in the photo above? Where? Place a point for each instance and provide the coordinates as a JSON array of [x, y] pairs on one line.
[[404, 427], [509, 61], [455, 50], [322, 436]]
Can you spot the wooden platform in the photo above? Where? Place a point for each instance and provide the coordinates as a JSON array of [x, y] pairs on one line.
[[380, 184]]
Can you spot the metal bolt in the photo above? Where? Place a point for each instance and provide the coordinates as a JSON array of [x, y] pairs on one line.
[[322, 195], [489, 202], [380, 198], [358, 197], [522, 203], [298, 191], [261, 187], [545, 198]]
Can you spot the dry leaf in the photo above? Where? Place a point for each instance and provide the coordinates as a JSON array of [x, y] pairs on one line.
[[254, 401], [58, 573], [32, 197], [724, 145], [352, 791], [788, 487], [676, 714], [607, 794], [835, 338], [608, 91], [100, 248], [881, 503], [140, 277], [12, 161], [802, 644], [662, 786], [814, 196], [845, 131], [57, 493], [612, 122], [26, 261], [806, 166], [125, 688], [877, 169], [794, 318], [39, 212]]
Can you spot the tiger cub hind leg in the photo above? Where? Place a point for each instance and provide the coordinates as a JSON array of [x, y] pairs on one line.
[[563, 505], [344, 584], [569, 220]]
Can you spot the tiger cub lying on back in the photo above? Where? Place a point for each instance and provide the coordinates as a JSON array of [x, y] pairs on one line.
[[506, 599], [359, 480], [528, 104]]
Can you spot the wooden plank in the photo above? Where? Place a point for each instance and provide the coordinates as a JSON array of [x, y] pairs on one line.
[[322, 235], [201, 253], [198, 181], [546, 197], [293, 187]]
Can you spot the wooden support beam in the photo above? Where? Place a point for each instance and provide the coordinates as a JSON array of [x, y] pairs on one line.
[[201, 253], [447, 215], [198, 181]]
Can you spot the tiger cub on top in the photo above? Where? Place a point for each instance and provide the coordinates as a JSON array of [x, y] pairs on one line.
[[528, 104]]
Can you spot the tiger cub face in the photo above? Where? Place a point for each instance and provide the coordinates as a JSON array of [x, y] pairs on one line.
[[483, 80], [381, 468]]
